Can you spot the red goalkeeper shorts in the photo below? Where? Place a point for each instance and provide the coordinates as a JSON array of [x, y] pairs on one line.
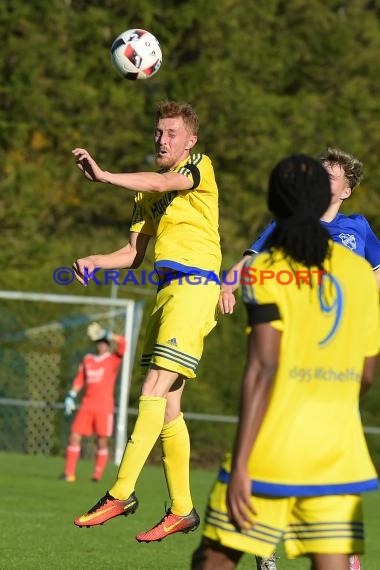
[[87, 422]]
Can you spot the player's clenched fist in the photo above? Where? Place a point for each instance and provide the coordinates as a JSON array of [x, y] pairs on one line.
[[83, 269]]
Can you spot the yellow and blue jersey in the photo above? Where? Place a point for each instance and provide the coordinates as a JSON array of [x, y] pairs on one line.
[[311, 441], [184, 223], [354, 232]]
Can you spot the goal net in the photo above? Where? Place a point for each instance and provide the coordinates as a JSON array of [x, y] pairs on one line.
[[42, 341]]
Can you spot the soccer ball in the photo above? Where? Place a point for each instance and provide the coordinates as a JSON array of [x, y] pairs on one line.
[[136, 54]]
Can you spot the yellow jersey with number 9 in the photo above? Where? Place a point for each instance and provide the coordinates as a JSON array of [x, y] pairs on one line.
[[311, 441]]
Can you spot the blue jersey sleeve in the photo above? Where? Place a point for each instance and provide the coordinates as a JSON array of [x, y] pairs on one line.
[[372, 246], [258, 245]]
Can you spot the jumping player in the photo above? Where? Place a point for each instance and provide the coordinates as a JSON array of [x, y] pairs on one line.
[[178, 206]]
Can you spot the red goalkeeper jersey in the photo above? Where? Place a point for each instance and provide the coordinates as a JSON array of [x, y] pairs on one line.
[[97, 375]]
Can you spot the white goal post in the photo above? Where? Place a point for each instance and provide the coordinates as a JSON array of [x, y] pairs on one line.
[[132, 322]]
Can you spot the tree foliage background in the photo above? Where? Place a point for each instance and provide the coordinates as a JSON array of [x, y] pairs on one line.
[[267, 78]]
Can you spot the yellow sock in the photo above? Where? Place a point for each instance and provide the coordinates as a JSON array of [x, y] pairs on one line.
[[147, 429], [176, 460]]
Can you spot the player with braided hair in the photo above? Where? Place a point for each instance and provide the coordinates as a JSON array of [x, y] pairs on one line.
[[354, 232], [300, 460]]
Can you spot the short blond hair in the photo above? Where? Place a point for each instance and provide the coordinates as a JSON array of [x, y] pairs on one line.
[[352, 167], [169, 109]]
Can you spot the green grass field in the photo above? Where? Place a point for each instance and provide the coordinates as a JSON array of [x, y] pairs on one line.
[[37, 530]]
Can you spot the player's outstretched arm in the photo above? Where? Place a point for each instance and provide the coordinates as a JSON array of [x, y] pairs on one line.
[[131, 255], [230, 283], [134, 181]]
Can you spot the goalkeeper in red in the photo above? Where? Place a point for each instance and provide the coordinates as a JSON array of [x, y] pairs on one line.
[[96, 377]]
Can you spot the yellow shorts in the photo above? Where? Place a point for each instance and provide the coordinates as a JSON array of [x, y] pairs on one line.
[[183, 315], [326, 524]]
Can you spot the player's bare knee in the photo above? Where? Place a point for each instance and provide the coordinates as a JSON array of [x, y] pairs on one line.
[[171, 414], [102, 443], [158, 382], [75, 439]]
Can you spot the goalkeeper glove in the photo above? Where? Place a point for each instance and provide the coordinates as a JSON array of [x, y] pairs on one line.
[[69, 403], [96, 332]]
